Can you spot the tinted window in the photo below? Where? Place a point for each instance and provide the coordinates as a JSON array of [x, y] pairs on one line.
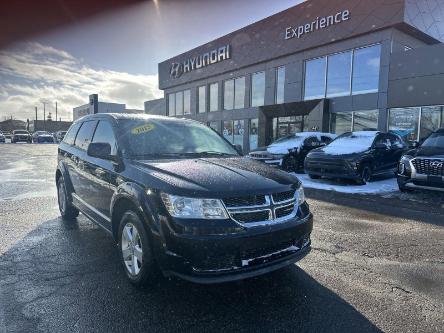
[[383, 139], [171, 104], [202, 100], [366, 64], [435, 140], [214, 93], [326, 139], [338, 75], [311, 142], [71, 134], [85, 134], [104, 134], [258, 89], [280, 85], [187, 102], [396, 141], [315, 78]]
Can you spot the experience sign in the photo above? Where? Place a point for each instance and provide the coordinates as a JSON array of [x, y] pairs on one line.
[[318, 24]]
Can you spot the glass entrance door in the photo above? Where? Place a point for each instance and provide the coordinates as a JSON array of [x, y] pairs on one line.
[[284, 126]]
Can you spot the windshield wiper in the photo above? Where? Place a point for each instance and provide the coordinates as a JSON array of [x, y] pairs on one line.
[[208, 153]]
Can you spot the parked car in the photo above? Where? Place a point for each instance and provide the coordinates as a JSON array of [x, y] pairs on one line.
[[2, 138], [289, 152], [356, 155], [423, 167], [59, 135], [42, 137], [21, 136], [179, 199]]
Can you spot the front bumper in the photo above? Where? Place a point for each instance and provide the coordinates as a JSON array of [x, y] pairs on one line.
[[408, 177], [230, 257]]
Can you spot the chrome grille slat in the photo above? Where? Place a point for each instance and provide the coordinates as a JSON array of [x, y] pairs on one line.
[[276, 208], [429, 167]]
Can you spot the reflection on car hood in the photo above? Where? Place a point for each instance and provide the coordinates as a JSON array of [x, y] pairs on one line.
[[219, 177], [320, 153]]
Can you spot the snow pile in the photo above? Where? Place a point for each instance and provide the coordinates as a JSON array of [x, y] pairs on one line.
[[356, 142], [375, 187]]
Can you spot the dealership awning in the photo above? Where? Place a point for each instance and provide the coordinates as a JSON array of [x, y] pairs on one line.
[[290, 109]]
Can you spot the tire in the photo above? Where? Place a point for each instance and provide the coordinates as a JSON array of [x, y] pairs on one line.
[[404, 189], [135, 251], [67, 210], [314, 176], [365, 175]]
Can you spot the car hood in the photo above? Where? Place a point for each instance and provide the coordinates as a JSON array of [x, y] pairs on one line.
[[320, 153], [214, 177], [427, 152]]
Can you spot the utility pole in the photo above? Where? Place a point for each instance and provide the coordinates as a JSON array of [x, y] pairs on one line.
[[56, 112], [44, 115], [36, 113]]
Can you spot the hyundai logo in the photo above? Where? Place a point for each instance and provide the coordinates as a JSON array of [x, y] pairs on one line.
[[176, 70], [436, 164]]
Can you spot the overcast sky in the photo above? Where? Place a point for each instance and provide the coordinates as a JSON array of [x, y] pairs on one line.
[[115, 54]]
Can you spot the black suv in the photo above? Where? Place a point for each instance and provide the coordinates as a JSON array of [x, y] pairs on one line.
[[423, 167], [179, 199], [357, 156]]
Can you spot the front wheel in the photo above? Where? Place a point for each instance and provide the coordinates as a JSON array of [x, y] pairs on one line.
[[135, 251], [67, 210], [365, 176]]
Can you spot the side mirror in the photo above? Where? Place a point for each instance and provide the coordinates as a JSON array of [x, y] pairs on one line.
[[100, 150], [238, 149], [381, 146], [413, 144]]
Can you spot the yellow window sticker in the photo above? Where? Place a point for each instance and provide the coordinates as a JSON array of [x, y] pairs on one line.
[[142, 129]]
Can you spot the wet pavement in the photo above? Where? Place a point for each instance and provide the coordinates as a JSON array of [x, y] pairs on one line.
[[377, 264]]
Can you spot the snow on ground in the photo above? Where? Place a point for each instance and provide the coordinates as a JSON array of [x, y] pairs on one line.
[[379, 186]]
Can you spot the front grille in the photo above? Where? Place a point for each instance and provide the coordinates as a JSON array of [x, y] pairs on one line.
[[430, 167], [254, 200], [283, 196], [284, 211], [248, 217], [262, 209], [325, 162]]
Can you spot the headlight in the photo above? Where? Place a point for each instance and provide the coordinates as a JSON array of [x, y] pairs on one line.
[[300, 195], [406, 159], [192, 208]]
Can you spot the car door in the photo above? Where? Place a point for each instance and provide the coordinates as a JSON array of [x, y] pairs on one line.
[[68, 156], [381, 157], [398, 147], [82, 182], [100, 171]]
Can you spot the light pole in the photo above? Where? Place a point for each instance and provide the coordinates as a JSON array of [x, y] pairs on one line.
[[44, 115]]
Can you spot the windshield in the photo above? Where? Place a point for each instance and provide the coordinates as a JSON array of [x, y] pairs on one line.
[[163, 138], [350, 143], [435, 140]]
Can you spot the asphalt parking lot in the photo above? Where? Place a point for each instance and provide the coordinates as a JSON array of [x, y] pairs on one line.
[[377, 265]]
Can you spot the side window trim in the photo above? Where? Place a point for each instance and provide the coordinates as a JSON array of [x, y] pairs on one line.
[[94, 130]]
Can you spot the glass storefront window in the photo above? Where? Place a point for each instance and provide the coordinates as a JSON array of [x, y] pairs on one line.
[[227, 131], [404, 122], [280, 85], [254, 133], [341, 122], [171, 104], [339, 74], [283, 126], [179, 103], [229, 95], [315, 78], [431, 120], [238, 132], [365, 120], [234, 93], [366, 65], [187, 102], [214, 96], [258, 89], [239, 93], [201, 99]]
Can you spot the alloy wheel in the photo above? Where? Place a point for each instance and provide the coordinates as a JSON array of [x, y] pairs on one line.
[[62, 197], [131, 246]]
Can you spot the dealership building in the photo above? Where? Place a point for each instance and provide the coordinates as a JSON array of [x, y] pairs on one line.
[[323, 65]]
